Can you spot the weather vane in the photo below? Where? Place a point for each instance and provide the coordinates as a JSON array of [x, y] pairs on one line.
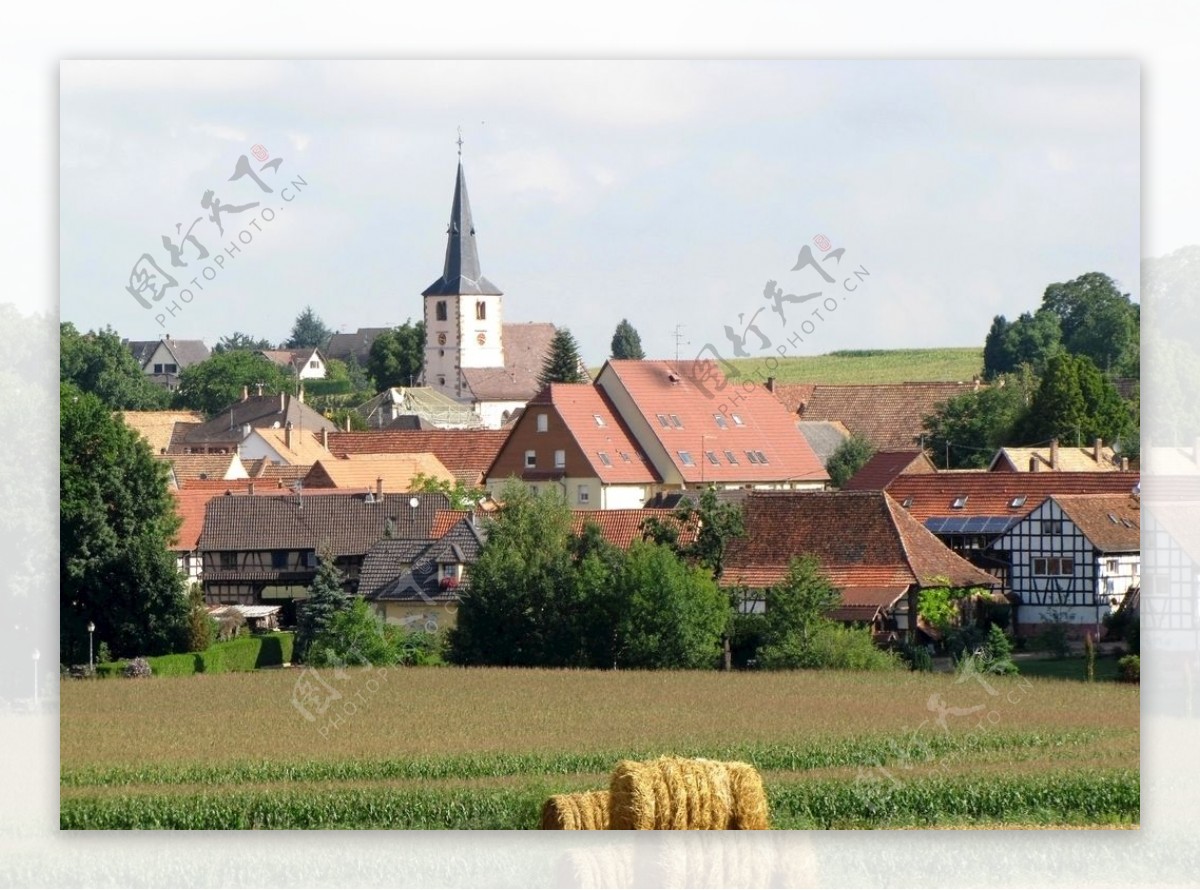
[[460, 141]]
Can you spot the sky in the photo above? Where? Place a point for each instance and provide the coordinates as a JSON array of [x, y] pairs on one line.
[[667, 193]]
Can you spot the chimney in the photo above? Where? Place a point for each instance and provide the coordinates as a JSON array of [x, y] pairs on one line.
[[282, 402], [471, 517], [258, 387], [287, 435], [1124, 465], [245, 393], [325, 438], [301, 396], [1097, 447], [1054, 454], [379, 487], [347, 422], [1034, 463], [250, 487], [770, 384]]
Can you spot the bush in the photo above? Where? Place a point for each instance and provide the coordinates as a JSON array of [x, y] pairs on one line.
[[136, 669], [1052, 638], [1129, 669], [995, 614], [202, 627], [829, 646], [917, 657], [964, 640]]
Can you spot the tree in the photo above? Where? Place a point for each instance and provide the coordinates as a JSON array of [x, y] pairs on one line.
[[397, 356], [671, 614], [799, 602], [202, 627], [626, 342], [719, 523], [562, 364], [217, 382], [326, 599], [513, 612], [352, 635], [972, 426], [1097, 321], [117, 522], [308, 331], [996, 357], [1075, 403], [848, 458], [238, 340], [99, 363], [461, 495]]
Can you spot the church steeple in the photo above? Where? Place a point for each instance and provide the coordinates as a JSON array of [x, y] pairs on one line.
[[461, 274]]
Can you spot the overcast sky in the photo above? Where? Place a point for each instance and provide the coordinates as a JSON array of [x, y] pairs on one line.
[[666, 193]]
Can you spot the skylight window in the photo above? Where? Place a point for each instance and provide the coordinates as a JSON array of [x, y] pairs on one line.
[[752, 457], [663, 422], [720, 419], [712, 458], [685, 457], [762, 458], [959, 502], [625, 457], [599, 420], [676, 422], [907, 502], [604, 458], [1018, 501], [729, 456], [737, 420]]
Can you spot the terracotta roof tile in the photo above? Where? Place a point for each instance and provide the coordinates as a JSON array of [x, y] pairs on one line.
[[465, 453], [365, 470], [889, 415], [1070, 460], [192, 468], [1112, 522], [622, 527], [446, 520], [925, 495], [158, 427], [884, 466], [860, 538], [689, 407], [525, 349]]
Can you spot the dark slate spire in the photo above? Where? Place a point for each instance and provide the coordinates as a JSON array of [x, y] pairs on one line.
[[461, 274]]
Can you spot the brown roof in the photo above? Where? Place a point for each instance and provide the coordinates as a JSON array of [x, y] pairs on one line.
[[290, 358], [884, 466], [864, 603], [860, 538], [347, 521], [356, 345], [997, 494], [259, 412], [703, 413], [366, 470], [525, 348], [622, 527], [192, 468], [889, 415], [269, 472], [446, 520], [1070, 460], [465, 453], [1112, 522], [191, 504], [159, 427]]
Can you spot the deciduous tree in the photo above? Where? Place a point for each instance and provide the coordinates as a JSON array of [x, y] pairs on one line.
[[397, 356], [218, 381], [99, 363], [848, 458]]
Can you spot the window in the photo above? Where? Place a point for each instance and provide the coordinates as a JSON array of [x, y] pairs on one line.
[[310, 559], [1018, 501], [685, 457], [1113, 566], [1051, 526], [560, 458], [279, 559], [676, 422], [480, 310], [959, 502], [530, 460], [712, 458], [737, 420], [762, 458], [625, 457], [752, 457], [729, 456], [1047, 566], [663, 422], [229, 559], [158, 369], [907, 502], [171, 368], [720, 419], [599, 420], [584, 494], [543, 423], [441, 310], [314, 364], [441, 379], [604, 458]]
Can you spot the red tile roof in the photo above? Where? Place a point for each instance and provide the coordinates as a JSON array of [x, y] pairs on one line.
[[444, 520], [190, 506], [702, 413], [622, 527], [889, 415], [465, 453], [1112, 522], [997, 494], [860, 538], [884, 466]]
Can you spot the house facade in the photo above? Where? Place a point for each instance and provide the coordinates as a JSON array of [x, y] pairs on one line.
[[1072, 559], [164, 360], [306, 364]]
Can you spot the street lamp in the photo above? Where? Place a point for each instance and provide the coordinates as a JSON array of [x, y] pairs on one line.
[[36, 656], [91, 630]]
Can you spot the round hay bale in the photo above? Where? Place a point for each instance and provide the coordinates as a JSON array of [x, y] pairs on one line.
[[750, 811], [586, 811], [634, 795], [678, 794]]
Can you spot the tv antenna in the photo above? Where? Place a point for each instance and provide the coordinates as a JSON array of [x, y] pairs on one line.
[[679, 340]]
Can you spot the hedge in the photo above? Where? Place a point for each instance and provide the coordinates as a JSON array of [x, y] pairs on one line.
[[243, 654]]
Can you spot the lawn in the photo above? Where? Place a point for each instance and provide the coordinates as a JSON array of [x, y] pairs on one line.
[[951, 364], [1070, 668], [481, 748]]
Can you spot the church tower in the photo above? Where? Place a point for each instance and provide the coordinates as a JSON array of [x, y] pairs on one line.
[[462, 308]]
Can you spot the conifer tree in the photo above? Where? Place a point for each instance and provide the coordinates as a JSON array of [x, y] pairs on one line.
[[563, 364], [326, 598], [626, 342]]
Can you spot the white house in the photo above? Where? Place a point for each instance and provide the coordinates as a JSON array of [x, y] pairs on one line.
[[1073, 559]]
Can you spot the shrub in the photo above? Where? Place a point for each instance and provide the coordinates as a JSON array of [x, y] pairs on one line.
[[202, 627], [995, 614], [964, 640], [917, 657], [136, 669], [1129, 669], [830, 646], [103, 655], [1052, 638]]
